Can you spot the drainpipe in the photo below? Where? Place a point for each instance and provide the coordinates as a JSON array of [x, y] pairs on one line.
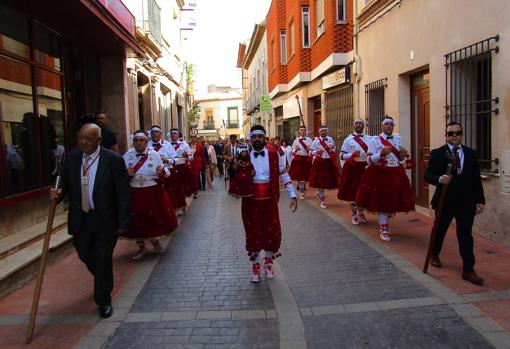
[[357, 62]]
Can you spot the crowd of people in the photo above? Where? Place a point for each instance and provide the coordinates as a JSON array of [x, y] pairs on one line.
[[136, 196]]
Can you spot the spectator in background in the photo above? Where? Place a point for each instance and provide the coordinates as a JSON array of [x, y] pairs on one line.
[[211, 168], [109, 139], [218, 148]]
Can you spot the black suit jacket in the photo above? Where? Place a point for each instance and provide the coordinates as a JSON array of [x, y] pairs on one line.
[[111, 192], [465, 190]]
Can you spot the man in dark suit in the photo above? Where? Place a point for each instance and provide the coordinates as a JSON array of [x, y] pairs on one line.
[[464, 196], [96, 181], [229, 153]]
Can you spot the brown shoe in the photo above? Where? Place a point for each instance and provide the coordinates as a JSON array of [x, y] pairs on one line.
[[435, 261], [472, 277]]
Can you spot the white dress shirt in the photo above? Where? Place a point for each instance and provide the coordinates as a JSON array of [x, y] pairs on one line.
[[93, 161], [183, 148], [262, 173], [350, 146], [375, 146], [166, 151], [316, 145], [146, 176], [298, 149]]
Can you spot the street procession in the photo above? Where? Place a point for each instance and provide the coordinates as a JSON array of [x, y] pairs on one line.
[[317, 174]]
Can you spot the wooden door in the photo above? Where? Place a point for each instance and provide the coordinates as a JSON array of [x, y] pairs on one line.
[[420, 152]]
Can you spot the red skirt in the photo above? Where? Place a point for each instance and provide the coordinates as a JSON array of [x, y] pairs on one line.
[[261, 222], [300, 168], [189, 185], [174, 186], [385, 189], [324, 174], [350, 180], [152, 213]]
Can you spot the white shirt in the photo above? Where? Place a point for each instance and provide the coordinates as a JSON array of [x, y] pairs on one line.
[[316, 145], [184, 148], [350, 146], [375, 146], [166, 151], [261, 165], [146, 176], [298, 149], [92, 172], [288, 154], [461, 154]]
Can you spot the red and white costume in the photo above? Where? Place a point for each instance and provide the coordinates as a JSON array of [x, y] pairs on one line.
[[324, 172], [152, 213], [353, 167], [182, 168], [301, 161], [384, 187], [260, 214]]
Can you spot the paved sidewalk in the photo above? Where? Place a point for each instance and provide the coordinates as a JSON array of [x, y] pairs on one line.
[[336, 286]]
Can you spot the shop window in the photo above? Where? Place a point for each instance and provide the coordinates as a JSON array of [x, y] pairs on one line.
[[18, 134], [46, 47], [14, 33], [469, 95], [374, 105]]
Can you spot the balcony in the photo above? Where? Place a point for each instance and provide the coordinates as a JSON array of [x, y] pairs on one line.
[[209, 126], [233, 124]]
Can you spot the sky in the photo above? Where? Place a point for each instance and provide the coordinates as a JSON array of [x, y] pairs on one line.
[[221, 25]]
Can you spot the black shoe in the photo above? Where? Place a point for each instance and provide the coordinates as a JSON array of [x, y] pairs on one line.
[[105, 311], [435, 261], [472, 277]]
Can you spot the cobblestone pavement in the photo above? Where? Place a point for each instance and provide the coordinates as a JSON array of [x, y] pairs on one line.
[[331, 290]]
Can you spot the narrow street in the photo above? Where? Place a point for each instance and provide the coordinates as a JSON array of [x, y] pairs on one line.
[[331, 290]]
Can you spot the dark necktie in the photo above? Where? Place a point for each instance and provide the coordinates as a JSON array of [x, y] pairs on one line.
[[140, 154], [358, 135], [456, 158], [261, 153], [389, 137]]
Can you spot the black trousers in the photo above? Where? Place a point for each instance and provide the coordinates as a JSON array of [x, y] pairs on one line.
[[95, 248], [202, 178], [220, 165], [464, 236]]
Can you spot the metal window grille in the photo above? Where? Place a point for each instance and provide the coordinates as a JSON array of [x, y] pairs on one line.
[[469, 94], [339, 113], [153, 20], [374, 105]]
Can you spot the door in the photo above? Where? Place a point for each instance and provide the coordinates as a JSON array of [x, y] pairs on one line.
[[420, 152]]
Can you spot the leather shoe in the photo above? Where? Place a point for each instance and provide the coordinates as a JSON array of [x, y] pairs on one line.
[[435, 261], [472, 277], [105, 311]]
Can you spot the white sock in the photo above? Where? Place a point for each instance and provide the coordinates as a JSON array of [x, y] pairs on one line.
[[269, 254], [382, 218]]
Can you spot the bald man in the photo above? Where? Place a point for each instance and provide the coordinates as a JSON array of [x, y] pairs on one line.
[[96, 181]]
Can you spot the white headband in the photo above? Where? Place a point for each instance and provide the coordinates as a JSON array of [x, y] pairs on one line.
[[155, 128], [323, 129], [140, 134], [388, 120], [257, 132]]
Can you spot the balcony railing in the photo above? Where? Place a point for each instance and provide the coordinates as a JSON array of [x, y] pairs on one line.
[[209, 126], [233, 124]]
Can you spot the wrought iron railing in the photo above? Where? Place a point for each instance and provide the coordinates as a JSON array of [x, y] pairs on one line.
[[374, 105]]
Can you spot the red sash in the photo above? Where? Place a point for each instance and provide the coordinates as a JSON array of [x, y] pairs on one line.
[[332, 154], [280, 151], [140, 163], [177, 146], [388, 144], [158, 147], [361, 143], [303, 144]]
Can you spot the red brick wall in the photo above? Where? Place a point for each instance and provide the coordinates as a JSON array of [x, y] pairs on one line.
[[336, 38]]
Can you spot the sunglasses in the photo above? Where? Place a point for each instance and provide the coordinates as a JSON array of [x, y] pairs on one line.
[[454, 133]]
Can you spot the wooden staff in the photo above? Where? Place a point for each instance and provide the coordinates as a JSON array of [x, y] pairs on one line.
[[44, 256], [439, 212], [301, 117]]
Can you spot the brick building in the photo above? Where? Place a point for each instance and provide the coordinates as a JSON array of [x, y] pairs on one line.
[[310, 57]]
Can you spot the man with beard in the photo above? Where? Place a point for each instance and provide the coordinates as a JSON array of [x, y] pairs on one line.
[[354, 153], [259, 211]]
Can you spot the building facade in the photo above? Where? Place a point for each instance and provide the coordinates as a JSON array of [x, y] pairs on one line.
[[253, 62], [425, 66], [220, 113], [309, 51]]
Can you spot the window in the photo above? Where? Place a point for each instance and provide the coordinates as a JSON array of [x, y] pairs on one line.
[[46, 47], [292, 43], [209, 120], [340, 11], [374, 105], [340, 112], [14, 30], [283, 47], [233, 117], [319, 17], [469, 94], [305, 19]]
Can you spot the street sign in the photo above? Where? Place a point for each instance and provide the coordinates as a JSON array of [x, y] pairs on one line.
[[194, 132], [265, 103]]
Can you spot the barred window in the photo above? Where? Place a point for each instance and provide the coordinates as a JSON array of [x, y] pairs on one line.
[[374, 105], [469, 97], [339, 113]]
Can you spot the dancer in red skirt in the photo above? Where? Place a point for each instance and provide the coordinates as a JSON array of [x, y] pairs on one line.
[[301, 161], [152, 214], [182, 166], [354, 153], [197, 163], [260, 214], [167, 154], [384, 187], [324, 173]]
